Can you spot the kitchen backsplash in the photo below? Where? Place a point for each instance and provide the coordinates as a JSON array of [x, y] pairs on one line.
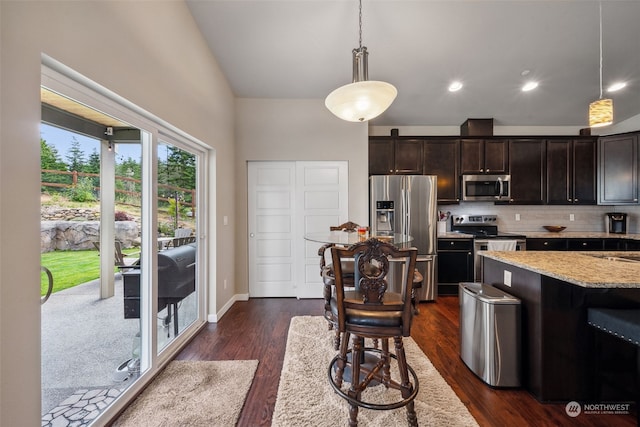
[[533, 217]]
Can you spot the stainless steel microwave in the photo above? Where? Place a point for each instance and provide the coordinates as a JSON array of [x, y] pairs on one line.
[[486, 187]]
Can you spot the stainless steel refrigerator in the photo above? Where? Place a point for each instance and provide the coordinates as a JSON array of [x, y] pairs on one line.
[[408, 204]]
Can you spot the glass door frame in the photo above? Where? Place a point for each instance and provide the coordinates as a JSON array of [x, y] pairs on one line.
[[61, 79]]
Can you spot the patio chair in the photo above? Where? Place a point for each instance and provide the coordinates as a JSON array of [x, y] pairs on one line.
[[120, 256], [182, 232]]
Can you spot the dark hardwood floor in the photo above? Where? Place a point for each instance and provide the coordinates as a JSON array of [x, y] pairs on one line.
[[257, 329]]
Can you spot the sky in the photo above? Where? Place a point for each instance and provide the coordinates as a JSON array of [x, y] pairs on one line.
[[61, 139]]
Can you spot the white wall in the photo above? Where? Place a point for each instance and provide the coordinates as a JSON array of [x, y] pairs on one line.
[[148, 52], [630, 125], [296, 130]]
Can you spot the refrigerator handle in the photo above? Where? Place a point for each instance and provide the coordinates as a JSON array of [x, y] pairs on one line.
[[406, 212]]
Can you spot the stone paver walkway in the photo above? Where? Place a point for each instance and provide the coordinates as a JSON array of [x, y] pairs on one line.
[[81, 408]]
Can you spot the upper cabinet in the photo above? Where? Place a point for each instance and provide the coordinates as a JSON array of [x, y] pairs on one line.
[[571, 171], [527, 166], [441, 157], [391, 155], [618, 170], [552, 170], [484, 156]]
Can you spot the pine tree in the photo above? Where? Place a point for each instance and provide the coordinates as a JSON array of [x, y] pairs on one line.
[[75, 156]]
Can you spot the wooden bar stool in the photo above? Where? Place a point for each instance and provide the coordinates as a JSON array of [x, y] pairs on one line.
[[370, 311]]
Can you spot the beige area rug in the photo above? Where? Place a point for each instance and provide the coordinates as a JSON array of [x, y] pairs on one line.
[[305, 397], [193, 393]]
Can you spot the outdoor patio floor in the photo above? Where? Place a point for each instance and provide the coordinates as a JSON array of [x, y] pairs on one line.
[[84, 341]]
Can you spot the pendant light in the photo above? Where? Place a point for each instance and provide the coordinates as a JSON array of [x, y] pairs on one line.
[[601, 111], [363, 99]]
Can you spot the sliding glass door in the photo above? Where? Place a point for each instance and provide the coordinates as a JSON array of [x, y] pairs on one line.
[[177, 212], [122, 236]]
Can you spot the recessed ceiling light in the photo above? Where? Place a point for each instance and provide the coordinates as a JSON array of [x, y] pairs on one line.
[[529, 86], [616, 86], [455, 86]]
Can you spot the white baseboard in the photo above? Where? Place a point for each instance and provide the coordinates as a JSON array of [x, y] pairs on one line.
[[213, 318]]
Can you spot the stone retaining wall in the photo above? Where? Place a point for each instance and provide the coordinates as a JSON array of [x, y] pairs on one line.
[[68, 214], [77, 235]]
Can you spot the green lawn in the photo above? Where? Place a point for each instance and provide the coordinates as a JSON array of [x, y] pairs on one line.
[[71, 268]]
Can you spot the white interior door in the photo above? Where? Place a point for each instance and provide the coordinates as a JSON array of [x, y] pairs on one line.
[[271, 229], [287, 200], [322, 200]]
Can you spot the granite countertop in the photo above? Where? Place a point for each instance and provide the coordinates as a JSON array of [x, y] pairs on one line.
[[550, 235], [454, 235], [586, 269]]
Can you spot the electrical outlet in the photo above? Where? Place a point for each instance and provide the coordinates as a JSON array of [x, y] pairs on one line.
[[572, 217], [225, 283], [507, 278], [517, 217], [225, 220]]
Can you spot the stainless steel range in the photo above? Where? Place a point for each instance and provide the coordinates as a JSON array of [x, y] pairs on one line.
[[484, 229]]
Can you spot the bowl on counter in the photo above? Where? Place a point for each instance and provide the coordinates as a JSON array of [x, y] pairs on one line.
[[554, 228]]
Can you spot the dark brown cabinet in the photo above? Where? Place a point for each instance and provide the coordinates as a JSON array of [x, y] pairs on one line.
[[571, 171], [441, 157], [484, 156], [541, 244], [527, 166], [576, 244], [390, 155], [618, 170], [585, 244]]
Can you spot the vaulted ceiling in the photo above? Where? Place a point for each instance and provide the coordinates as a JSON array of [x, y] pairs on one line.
[[295, 49]]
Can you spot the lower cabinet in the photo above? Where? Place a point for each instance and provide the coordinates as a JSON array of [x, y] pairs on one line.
[[547, 244], [593, 244], [455, 264], [586, 244]]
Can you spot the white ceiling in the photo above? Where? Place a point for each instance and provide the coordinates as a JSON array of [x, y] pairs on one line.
[[302, 49]]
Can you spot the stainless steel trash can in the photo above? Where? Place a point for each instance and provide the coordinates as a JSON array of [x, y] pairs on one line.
[[490, 334]]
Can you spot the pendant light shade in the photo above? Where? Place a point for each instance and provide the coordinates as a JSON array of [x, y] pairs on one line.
[[601, 113], [363, 99]]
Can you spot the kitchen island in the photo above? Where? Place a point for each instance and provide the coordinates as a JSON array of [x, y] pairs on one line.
[[564, 358]]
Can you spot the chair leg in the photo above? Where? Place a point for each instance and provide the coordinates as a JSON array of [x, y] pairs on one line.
[[354, 390], [386, 369], [336, 339], [406, 387], [342, 360]]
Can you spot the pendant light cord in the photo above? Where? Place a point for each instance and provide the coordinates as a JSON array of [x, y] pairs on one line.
[[600, 3], [360, 24]]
